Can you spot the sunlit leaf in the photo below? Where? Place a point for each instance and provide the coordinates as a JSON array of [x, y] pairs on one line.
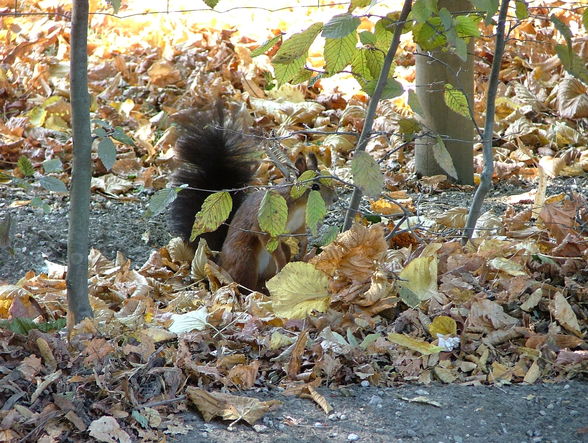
[[273, 214], [215, 210]]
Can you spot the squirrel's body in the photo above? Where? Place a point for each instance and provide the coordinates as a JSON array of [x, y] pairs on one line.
[[215, 155]]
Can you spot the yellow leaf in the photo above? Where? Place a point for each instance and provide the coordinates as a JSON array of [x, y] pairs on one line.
[[563, 313], [508, 266], [443, 325], [299, 289], [412, 343], [418, 280]]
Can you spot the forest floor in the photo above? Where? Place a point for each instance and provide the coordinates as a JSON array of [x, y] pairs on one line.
[[554, 412]]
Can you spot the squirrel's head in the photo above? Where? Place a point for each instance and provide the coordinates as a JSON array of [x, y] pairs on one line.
[[319, 183]]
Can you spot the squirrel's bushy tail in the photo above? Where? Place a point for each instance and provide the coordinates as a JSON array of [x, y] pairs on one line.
[[214, 154]]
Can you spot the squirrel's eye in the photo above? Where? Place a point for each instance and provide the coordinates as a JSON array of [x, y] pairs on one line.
[[315, 187]]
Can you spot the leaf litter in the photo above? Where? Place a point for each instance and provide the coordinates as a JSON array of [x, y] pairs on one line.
[[509, 307]]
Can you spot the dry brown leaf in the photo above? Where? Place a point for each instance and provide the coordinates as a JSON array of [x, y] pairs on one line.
[[572, 100], [354, 253], [229, 407], [563, 313]]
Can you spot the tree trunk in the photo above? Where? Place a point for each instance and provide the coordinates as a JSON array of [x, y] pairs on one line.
[[432, 72], [77, 242]]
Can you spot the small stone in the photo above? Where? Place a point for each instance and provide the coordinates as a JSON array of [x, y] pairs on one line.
[[550, 406], [352, 437], [342, 417], [260, 428], [375, 400], [422, 392], [365, 384]]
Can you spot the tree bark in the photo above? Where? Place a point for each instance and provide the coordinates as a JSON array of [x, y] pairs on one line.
[[77, 242], [432, 72]]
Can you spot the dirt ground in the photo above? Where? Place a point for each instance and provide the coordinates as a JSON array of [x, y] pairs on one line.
[[436, 413]]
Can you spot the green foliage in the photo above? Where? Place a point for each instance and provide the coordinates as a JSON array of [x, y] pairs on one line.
[[25, 166], [52, 165], [161, 200], [290, 58], [211, 3], [107, 152], [116, 4], [456, 101], [104, 133], [52, 184], [339, 52], [585, 19], [367, 174], [340, 26], [443, 158], [215, 210], [303, 183], [571, 61], [273, 214], [316, 209], [266, 46], [521, 9], [24, 325], [490, 7]]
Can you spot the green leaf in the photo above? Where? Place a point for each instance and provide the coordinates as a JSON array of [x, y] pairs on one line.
[[415, 104], [572, 62], [461, 48], [456, 101], [297, 45], [521, 9], [211, 3], [22, 325], [216, 208], [408, 127], [115, 5], [339, 52], [273, 214], [367, 38], [488, 6], [563, 29], [330, 234], [288, 71], [340, 26], [358, 4], [422, 10], [429, 35], [392, 89], [585, 19], [375, 62], [272, 244], [25, 166], [443, 158], [302, 183], [468, 25], [367, 174], [52, 184], [160, 201], [266, 46], [37, 202], [119, 135], [360, 67], [446, 18], [53, 165], [107, 153], [316, 209], [383, 34], [100, 133]]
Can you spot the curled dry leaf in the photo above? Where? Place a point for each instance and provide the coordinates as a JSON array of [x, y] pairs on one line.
[[229, 407], [572, 100], [354, 253]]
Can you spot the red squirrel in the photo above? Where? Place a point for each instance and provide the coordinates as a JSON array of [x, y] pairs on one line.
[[214, 154]]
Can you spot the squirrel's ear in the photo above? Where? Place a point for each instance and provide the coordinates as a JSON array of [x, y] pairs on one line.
[[300, 164], [307, 163], [312, 162]]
